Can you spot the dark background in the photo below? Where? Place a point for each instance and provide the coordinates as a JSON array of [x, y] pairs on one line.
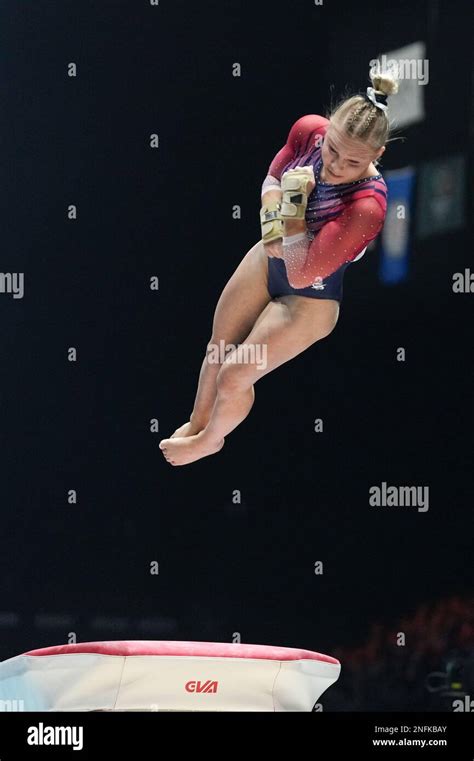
[[85, 425]]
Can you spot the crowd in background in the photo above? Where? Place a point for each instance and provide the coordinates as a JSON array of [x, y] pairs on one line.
[[425, 662]]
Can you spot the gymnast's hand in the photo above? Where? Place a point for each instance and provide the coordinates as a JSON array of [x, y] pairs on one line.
[[274, 248], [305, 176]]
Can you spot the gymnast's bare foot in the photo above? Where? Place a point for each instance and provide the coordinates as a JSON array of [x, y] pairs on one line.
[[183, 450], [188, 429]]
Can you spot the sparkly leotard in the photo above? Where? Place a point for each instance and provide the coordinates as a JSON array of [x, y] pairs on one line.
[[341, 219]]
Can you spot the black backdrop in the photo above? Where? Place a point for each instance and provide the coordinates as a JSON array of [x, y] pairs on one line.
[[85, 425]]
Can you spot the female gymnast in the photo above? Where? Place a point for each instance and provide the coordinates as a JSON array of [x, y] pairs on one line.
[[323, 201]]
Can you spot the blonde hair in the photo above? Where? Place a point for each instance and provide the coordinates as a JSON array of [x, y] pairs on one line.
[[361, 119]]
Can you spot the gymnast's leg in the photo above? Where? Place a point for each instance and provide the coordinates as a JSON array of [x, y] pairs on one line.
[[241, 302], [286, 327]]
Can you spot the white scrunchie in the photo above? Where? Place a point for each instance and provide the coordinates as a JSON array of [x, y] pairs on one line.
[[371, 96]]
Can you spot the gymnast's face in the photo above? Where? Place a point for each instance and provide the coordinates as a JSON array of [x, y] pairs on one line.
[[346, 159]]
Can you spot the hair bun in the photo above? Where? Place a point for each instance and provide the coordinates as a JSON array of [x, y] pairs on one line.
[[383, 84]]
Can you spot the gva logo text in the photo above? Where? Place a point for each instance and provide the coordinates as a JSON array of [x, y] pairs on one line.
[[207, 686]]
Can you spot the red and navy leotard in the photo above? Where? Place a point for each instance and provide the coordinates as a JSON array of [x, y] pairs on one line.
[[341, 219]]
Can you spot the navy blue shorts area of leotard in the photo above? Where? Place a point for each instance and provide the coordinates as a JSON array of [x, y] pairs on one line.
[[278, 285]]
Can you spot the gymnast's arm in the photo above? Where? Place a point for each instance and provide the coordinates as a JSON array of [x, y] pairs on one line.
[[298, 140], [270, 199], [337, 242], [272, 194]]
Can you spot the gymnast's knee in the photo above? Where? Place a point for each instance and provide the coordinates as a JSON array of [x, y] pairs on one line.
[[232, 379]]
